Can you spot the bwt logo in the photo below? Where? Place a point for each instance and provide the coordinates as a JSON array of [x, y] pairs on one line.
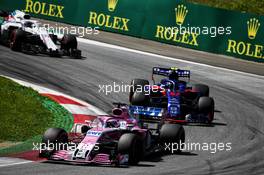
[[44, 9]]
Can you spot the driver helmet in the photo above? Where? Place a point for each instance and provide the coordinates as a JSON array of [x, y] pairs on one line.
[[29, 24], [174, 76], [112, 124], [168, 85]]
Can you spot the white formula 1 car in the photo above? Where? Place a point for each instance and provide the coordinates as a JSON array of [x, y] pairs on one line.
[[21, 33]]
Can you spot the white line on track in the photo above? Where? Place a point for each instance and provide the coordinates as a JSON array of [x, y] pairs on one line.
[[76, 109], [5, 161], [101, 44]]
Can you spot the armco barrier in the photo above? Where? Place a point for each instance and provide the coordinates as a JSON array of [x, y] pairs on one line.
[[241, 36]]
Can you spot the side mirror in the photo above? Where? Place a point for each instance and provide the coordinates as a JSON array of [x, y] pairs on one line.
[[85, 129]]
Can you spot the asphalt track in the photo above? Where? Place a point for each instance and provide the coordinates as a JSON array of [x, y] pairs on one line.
[[239, 109]]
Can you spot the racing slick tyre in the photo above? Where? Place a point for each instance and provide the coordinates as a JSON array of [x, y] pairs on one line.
[[54, 38], [57, 137], [3, 14], [68, 42], [202, 89], [140, 99], [172, 134], [206, 106], [16, 39], [69, 47], [131, 144], [136, 84]]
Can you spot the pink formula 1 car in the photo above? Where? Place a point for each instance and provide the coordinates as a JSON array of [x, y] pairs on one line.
[[115, 139]]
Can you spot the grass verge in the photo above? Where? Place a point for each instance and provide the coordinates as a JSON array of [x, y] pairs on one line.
[[25, 115], [251, 6]]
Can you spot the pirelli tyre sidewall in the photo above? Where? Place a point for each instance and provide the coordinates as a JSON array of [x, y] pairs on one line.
[[16, 39], [136, 97], [132, 145], [202, 89], [172, 134], [3, 13], [206, 106], [54, 137], [69, 42]]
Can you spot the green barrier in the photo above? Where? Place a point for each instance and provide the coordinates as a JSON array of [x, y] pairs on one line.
[[240, 33], [62, 11], [120, 16]]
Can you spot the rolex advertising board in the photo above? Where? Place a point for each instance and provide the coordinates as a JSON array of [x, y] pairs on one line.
[[169, 21], [121, 16], [247, 42], [205, 28], [55, 10]]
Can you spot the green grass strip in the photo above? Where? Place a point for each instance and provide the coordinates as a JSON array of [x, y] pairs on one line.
[[25, 115], [251, 6]]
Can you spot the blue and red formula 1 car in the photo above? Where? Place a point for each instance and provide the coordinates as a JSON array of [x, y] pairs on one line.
[[178, 100], [116, 139]]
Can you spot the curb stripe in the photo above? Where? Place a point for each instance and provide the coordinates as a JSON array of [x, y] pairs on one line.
[[17, 163], [31, 155], [61, 99], [74, 109], [80, 118]]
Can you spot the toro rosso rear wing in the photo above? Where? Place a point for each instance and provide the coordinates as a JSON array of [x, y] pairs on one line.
[[167, 71], [152, 114]]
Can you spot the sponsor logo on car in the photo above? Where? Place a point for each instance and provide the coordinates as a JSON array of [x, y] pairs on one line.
[[94, 133]]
